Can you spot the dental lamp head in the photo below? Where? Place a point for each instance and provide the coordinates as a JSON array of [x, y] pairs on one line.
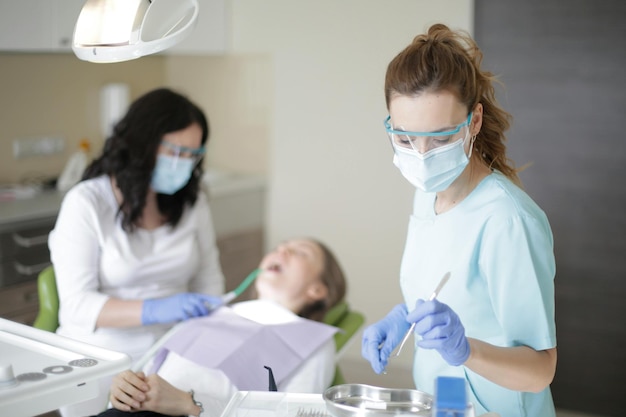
[[120, 30]]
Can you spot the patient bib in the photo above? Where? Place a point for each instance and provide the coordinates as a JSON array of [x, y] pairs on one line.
[[240, 348]]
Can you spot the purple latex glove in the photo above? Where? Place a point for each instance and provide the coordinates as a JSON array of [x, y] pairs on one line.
[[441, 329], [382, 337], [177, 307]]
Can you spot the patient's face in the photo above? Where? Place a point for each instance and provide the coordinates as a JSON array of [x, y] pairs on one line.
[[291, 274]]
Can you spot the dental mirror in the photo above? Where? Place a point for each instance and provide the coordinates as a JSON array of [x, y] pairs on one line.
[[121, 30]]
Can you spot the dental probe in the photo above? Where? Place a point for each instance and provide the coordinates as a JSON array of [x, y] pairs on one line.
[[231, 295], [432, 297]]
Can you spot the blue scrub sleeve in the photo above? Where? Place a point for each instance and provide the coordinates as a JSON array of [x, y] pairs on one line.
[[517, 259]]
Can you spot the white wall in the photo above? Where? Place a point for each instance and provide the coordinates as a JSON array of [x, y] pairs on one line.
[[330, 173], [235, 91]]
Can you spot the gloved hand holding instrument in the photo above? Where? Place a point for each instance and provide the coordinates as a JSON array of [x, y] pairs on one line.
[[440, 328], [380, 339], [187, 305], [176, 308]]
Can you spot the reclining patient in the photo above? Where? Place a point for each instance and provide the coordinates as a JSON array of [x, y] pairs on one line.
[[299, 282]]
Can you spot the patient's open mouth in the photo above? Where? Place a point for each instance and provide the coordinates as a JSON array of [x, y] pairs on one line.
[[274, 267]]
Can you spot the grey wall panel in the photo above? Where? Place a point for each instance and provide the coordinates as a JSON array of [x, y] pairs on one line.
[[563, 64]]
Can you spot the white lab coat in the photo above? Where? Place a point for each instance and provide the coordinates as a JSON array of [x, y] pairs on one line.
[[95, 259]]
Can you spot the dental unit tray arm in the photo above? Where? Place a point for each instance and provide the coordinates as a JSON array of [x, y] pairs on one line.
[[41, 371]]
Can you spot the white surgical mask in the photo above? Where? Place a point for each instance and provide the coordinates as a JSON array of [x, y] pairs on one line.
[[171, 173], [434, 170]]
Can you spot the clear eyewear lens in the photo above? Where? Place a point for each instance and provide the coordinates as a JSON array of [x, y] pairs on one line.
[[175, 151], [423, 142]]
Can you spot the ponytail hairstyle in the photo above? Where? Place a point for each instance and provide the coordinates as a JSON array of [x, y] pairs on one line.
[[445, 60]]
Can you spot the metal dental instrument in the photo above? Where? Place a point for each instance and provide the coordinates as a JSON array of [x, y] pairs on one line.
[[231, 295], [432, 297], [272, 381]]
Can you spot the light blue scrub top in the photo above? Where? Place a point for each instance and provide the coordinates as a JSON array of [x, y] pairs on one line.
[[498, 246]]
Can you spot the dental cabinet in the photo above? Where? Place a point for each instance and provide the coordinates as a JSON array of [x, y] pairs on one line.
[[24, 228], [38, 25], [237, 205]]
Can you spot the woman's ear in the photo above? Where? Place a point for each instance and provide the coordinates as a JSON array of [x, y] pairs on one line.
[[477, 119], [317, 291]]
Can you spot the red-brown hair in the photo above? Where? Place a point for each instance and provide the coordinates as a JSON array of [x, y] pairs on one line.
[[443, 59]]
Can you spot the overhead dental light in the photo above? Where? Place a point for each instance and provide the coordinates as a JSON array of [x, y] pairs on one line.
[[121, 30]]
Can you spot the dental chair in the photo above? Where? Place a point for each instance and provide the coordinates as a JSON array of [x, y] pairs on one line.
[[348, 321], [48, 316]]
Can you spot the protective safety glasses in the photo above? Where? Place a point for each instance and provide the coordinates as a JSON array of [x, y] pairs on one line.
[[423, 142], [175, 151]]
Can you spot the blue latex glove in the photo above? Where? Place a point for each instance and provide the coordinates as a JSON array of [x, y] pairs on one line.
[[382, 337], [177, 307], [441, 329]]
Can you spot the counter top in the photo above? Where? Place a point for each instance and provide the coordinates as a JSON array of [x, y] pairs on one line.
[[46, 204], [42, 205], [221, 184], [237, 202]]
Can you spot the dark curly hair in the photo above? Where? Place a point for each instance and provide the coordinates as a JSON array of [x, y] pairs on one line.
[[129, 154]]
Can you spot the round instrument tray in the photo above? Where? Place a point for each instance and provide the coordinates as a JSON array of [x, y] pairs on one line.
[[358, 400]]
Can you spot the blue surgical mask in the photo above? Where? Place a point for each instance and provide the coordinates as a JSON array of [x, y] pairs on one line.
[[434, 170], [171, 173]]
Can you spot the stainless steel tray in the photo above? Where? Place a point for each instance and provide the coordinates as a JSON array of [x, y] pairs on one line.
[[352, 400]]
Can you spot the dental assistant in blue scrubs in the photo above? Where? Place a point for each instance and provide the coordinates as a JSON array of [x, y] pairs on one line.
[[493, 322]]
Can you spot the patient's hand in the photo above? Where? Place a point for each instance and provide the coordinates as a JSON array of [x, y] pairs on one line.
[[132, 391], [128, 390], [164, 398]]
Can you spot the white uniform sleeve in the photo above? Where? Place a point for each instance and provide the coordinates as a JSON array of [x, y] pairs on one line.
[[315, 374], [75, 253], [210, 279]]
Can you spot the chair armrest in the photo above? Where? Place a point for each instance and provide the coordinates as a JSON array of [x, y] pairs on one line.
[[48, 315], [350, 325]]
